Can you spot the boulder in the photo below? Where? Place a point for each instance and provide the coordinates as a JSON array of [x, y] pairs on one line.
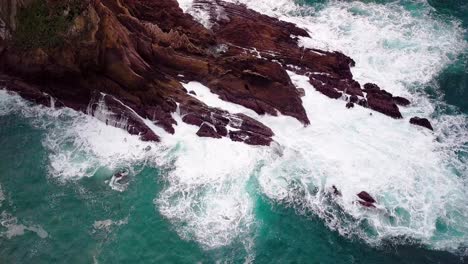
[[366, 197], [207, 131], [424, 122], [401, 101], [349, 105]]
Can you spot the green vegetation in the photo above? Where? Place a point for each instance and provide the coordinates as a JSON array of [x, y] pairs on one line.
[[39, 25]]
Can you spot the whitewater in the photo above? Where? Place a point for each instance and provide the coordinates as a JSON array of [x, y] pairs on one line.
[[418, 177]]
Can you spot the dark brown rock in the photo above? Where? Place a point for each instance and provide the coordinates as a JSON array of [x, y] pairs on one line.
[[207, 131], [119, 115], [138, 52], [383, 105], [366, 197], [221, 130], [401, 101], [424, 122], [362, 102], [250, 138], [371, 87], [349, 105], [381, 101]]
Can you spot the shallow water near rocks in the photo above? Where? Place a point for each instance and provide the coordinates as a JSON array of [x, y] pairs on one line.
[[194, 199]]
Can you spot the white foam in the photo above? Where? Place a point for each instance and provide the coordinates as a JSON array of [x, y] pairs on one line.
[[79, 144], [412, 172], [13, 228], [400, 165], [201, 15], [206, 196], [106, 225], [185, 4], [415, 174], [2, 196]]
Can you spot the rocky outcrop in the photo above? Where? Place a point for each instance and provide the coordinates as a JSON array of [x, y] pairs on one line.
[[349, 105], [366, 199], [381, 101], [424, 122], [131, 56]]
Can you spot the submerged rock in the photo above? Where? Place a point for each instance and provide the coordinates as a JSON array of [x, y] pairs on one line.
[[336, 191], [424, 122]]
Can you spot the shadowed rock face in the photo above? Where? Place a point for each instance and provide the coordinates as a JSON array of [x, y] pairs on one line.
[[424, 122], [366, 199], [137, 53]]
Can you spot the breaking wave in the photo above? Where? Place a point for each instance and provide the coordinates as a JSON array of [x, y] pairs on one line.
[[418, 177]]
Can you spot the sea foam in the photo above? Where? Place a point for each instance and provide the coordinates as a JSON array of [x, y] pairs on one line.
[[415, 174]]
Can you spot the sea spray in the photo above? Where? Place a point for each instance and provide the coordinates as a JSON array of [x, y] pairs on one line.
[[355, 151], [79, 145], [415, 175]]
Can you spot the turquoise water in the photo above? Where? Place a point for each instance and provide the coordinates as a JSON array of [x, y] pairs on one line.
[[68, 212], [56, 205]]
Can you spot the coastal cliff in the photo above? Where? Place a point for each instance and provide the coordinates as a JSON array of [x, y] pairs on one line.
[[132, 56]]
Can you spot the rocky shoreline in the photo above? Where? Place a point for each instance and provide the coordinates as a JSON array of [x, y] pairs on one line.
[[132, 56]]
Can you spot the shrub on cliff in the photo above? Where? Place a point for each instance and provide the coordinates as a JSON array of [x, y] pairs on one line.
[[43, 24]]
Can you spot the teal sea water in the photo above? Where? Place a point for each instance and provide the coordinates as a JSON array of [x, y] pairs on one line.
[[58, 203]]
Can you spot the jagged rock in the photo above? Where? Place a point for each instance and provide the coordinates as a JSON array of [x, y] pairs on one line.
[[250, 138], [366, 197], [401, 101], [221, 130], [349, 105], [424, 122], [353, 99], [383, 105], [115, 113], [207, 131], [325, 89], [371, 87], [381, 101], [362, 102], [138, 52]]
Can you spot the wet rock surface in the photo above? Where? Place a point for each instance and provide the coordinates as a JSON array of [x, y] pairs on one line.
[[137, 53], [366, 199], [381, 101], [424, 122]]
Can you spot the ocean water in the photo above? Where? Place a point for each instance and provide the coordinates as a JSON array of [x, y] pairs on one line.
[[198, 200]]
